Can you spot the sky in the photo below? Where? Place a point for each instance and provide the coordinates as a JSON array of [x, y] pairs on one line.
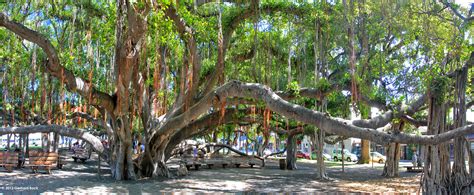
[[464, 3]]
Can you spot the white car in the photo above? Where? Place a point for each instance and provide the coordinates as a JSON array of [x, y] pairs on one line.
[[337, 156], [377, 157]]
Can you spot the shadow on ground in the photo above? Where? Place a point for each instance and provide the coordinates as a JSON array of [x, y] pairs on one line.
[[83, 178]]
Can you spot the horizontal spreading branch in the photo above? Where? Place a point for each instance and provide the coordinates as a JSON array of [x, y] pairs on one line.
[[385, 118], [321, 120], [232, 149], [70, 132], [54, 67]]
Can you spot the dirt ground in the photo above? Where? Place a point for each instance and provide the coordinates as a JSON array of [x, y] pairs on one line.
[[83, 178]]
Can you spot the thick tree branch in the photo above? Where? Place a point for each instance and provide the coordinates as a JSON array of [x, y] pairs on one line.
[[232, 149], [411, 120], [385, 118], [205, 124], [70, 132], [321, 120], [54, 68]]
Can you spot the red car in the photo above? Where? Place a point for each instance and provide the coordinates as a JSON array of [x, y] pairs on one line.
[[300, 154]]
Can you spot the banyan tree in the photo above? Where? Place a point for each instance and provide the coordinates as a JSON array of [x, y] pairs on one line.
[[171, 70]]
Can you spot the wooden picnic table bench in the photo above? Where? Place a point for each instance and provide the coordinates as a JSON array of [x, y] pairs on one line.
[[191, 161], [215, 161], [240, 160], [42, 159], [8, 160]]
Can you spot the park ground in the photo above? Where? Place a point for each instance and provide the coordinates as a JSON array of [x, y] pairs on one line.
[[83, 178]]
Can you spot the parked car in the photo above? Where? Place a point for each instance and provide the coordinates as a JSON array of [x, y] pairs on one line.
[[326, 156], [301, 154], [337, 155], [377, 157]]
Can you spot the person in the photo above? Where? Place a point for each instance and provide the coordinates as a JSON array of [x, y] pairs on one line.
[[414, 160], [134, 146], [420, 162], [195, 151], [75, 146], [104, 143]]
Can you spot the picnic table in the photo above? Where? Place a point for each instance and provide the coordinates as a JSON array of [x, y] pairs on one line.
[[42, 159], [8, 160]]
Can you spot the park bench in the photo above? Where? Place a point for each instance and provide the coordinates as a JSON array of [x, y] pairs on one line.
[[241, 160], [190, 162], [42, 159], [413, 169], [80, 154], [9, 160], [215, 161]]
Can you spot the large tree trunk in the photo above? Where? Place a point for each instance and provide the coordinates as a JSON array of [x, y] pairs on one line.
[[56, 142], [121, 147], [436, 173], [130, 31], [393, 155], [9, 136], [364, 152], [460, 177], [291, 152], [319, 147]]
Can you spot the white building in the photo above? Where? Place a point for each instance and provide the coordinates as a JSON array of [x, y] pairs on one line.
[[33, 139]]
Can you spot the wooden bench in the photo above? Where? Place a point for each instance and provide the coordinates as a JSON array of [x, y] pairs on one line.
[[9, 160], [191, 161], [253, 161], [215, 161], [241, 160], [80, 154], [42, 159], [414, 169]]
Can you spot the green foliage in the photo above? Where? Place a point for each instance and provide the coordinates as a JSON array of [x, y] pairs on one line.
[[293, 88], [309, 130], [323, 85], [439, 89]]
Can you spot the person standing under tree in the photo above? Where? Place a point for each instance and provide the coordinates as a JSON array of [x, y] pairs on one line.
[[414, 159]]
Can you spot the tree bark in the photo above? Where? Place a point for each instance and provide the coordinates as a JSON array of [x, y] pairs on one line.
[[365, 145], [460, 177], [70, 132], [291, 152], [393, 155], [365, 152], [319, 154], [436, 173]]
